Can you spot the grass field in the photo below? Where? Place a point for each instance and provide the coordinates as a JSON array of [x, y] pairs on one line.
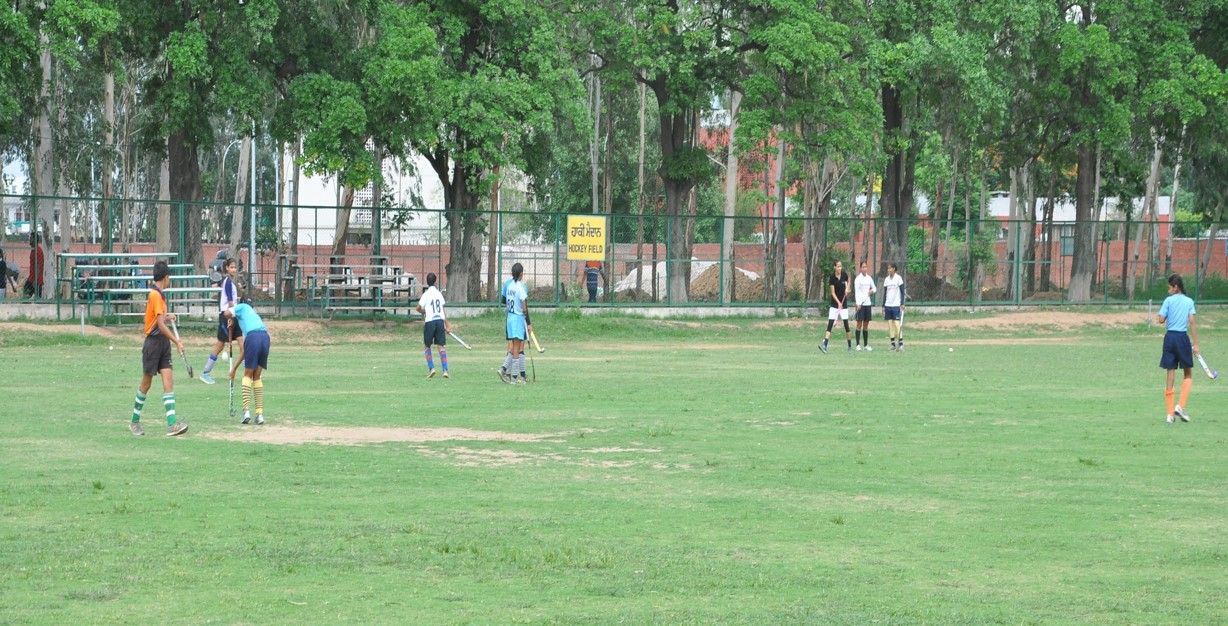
[[684, 472]]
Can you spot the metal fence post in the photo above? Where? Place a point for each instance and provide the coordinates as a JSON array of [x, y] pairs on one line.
[[557, 236]]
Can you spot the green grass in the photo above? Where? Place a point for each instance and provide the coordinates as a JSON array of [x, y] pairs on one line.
[[696, 472]]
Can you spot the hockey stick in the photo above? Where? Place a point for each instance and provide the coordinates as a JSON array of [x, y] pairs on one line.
[[1206, 369], [533, 336], [179, 342], [230, 351], [459, 340], [532, 367]]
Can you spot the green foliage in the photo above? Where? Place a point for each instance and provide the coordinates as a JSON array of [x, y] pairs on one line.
[[982, 255], [918, 258], [1188, 224], [18, 71]]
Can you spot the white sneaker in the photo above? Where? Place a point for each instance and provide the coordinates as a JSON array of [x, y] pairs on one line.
[[859, 347], [247, 417], [259, 419], [1180, 412], [1169, 419], [869, 349]]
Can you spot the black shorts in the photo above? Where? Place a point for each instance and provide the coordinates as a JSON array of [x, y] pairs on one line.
[[155, 355], [223, 333], [1178, 353], [433, 333], [863, 313]]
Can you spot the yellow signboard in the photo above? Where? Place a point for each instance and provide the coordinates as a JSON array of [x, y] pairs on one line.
[[586, 237]]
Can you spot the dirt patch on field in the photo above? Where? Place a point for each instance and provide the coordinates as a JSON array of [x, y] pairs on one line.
[[1025, 319], [360, 435]]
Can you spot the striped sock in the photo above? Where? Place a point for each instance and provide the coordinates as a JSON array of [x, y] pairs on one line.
[[520, 365], [168, 401], [138, 406], [430, 360], [443, 359], [247, 394], [507, 363], [258, 388], [210, 363]]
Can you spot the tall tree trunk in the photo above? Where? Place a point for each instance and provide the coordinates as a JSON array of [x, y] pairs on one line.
[[946, 243], [897, 184], [1046, 275], [108, 152], [595, 96], [639, 228], [731, 201], [1083, 264], [465, 255], [492, 271], [821, 181], [1216, 223], [1029, 253], [1172, 207], [775, 279], [677, 139], [238, 212], [164, 226], [184, 171], [1012, 239], [341, 230], [1146, 217], [43, 172], [869, 221], [298, 153]]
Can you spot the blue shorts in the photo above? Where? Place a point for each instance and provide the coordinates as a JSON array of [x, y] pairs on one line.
[[433, 333], [256, 350], [223, 334], [1177, 351], [891, 312], [516, 327]]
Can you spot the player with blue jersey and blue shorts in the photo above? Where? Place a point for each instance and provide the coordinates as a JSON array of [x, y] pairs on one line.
[[227, 330], [254, 352], [1180, 344], [518, 327]]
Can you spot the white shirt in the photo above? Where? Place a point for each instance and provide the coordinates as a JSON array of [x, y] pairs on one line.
[[228, 297], [432, 304], [893, 286], [863, 288]]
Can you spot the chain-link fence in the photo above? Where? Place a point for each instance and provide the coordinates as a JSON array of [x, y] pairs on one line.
[[363, 259]]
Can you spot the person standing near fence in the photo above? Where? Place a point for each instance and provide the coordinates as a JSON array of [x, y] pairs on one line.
[[1180, 345], [156, 355], [254, 353], [227, 329], [435, 328], [5, 278], [837, 288], [863, 298], [592, 274], [893, 306], [34, 279]]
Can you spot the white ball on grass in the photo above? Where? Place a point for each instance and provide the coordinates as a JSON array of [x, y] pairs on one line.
[[950, 349]]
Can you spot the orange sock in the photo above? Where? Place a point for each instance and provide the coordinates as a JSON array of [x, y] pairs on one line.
[[1186, 383], [1168, 399]]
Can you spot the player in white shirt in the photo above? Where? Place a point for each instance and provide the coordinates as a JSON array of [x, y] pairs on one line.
[[863, 299], [893, 305], [227, 329], [436, 327]]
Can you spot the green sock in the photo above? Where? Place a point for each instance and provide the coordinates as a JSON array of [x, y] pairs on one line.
[[137, 406], [168, 400]]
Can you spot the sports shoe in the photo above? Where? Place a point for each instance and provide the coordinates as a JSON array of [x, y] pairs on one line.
[[869, 349], [206, 378], [503, 375], [177, 428], [900, 349], [893, 347], [260, 419], [859, 347], [431, 374], [1169, 419], [850, 348], [823, 346], [1180, 412], [521, 381], [247, 418], [445, 375], [136, 429]]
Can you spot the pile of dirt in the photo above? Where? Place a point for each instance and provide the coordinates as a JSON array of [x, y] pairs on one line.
[[923, 287], [707, 286]]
